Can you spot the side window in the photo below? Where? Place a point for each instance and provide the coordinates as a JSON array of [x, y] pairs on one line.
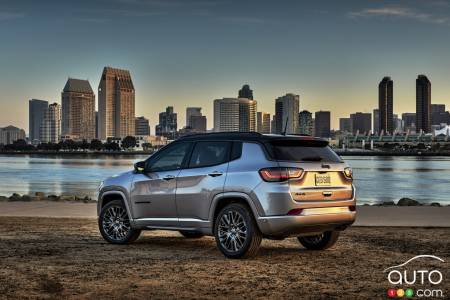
[[171, 158], [210, 154]]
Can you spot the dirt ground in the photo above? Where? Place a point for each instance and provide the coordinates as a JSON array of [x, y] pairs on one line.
[[66, 258]]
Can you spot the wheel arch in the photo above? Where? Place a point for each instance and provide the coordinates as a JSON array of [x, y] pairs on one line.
[[109, 196]]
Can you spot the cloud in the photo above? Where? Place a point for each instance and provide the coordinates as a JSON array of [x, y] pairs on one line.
[[399, 13], [4, 16]]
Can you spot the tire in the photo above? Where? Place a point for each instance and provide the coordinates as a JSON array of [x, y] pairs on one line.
[[319, 242], [236, 232], [114, 224], [191, 234]]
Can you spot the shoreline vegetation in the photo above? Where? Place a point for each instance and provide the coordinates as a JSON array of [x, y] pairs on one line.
[[40, 196], [355, 152]]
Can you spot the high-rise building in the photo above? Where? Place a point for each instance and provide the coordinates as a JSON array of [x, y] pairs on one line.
[[247, 115], [273, 125], [245, 92], [167, 126], [286, 114], [305, 121], [376, 121], [263, 122], [190, 112], [423, 104], [226, 114], [234, 114], [409, 122], [142, 126], [78, 110], [10, 134], [96, 124], [361, 122], [36, 113], [386, 105], [437, 108], [322, 124], [116, 104], [345, 125], [398, 124], [50, 130], [198, 124]]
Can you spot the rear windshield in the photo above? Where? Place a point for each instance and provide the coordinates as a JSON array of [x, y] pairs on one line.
[[308, 151]]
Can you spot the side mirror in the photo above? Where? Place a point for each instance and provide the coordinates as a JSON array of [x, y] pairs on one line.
[[139, 167]]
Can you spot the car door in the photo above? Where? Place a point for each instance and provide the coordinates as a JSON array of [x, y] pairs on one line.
[[203, 178], [153, 191]]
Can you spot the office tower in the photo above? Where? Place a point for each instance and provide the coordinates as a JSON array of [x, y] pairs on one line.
[[36, 112], [322, 124], [345, 125], [232, 114], [273, 125], [305, 121], [385, 105], [10, 134], [361, 122], [50, 129], [167, 126], [398, 124], [409, 121], [286, 112], [263, 122], [198, 123], [190, 112], [423, 104], [245, 92], [247, 115], [96, 124], [116, 104], [142, 126], [376, 121], [437, 108], [78, 110]]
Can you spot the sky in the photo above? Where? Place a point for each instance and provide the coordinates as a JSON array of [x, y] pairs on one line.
[[190, 52]]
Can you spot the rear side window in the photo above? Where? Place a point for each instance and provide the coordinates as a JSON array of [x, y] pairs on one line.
[[210, 154], [308, 151]]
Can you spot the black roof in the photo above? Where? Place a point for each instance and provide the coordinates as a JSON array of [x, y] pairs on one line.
[[248, 136]]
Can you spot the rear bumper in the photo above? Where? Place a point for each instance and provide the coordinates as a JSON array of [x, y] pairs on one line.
[[300, 224]]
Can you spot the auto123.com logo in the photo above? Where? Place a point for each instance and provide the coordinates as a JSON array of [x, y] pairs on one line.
[[415, 281]]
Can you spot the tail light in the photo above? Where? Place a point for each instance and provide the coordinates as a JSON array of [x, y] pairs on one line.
[[280, 174], [348, 173]]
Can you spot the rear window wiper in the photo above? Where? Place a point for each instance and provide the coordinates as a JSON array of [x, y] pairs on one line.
[[312, 158]]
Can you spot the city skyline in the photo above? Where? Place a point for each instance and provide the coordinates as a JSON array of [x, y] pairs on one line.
[[200, 51]]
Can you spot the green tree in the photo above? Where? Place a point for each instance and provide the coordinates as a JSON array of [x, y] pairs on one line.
[[128, 142], [96, 145]]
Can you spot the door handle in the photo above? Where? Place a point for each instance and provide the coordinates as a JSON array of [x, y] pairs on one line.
[[168, 177], [215, 174]]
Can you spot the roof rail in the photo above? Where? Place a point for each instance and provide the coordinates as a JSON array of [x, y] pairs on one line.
[[237, 133]]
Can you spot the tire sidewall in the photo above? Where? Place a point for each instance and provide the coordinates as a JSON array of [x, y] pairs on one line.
[[129, 237], [248, 218]]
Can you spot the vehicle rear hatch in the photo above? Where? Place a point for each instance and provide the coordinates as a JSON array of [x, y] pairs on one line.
[[323, 177]]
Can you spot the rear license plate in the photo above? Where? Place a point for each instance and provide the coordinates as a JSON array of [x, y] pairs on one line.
[[323, 180]]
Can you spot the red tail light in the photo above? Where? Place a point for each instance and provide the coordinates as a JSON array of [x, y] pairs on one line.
[[295, 211], [280, 174], [352, 208]]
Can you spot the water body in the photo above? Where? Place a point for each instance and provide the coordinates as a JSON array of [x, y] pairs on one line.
[[377, 179]]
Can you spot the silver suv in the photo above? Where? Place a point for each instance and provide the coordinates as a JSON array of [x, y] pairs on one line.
[[239, 187]]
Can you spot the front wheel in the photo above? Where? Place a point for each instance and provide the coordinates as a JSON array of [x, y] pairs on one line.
[[319, 242], [236, 232], [114, 224]]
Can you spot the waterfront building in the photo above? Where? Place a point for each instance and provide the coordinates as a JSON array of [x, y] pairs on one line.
[[78, 110], [142, 126], [190, 112], [245, 92], [376, 121], [385, 105], [10, 134], [247, 115], [322, 124], [423, 104], [263, 122], [409, 122], [305, 121], [50, 129], [361, 122], [167, 126], [116, 104], [345, 125], [234, 114], [36, 113], [286, 114], [198, 123]]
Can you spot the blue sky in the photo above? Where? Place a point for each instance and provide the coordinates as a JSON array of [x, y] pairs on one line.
[[188, 53]]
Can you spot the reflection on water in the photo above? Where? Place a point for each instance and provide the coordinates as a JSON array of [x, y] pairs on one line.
[[426, 179]]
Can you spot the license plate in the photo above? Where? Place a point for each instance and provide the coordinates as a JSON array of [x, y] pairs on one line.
[[323, 180]]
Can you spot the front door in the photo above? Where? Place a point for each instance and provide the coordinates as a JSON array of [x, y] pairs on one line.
[[153, 191], [202, 179]]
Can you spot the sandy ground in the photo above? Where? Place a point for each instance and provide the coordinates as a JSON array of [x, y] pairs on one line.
[[423, 216], [57, 258]]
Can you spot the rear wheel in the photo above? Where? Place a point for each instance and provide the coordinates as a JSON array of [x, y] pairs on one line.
[[191, 234], [114, 224], [319, 242], [236, 232]]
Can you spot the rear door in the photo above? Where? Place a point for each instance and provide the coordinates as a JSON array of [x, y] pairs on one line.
[[323, 178], [202, 180]]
